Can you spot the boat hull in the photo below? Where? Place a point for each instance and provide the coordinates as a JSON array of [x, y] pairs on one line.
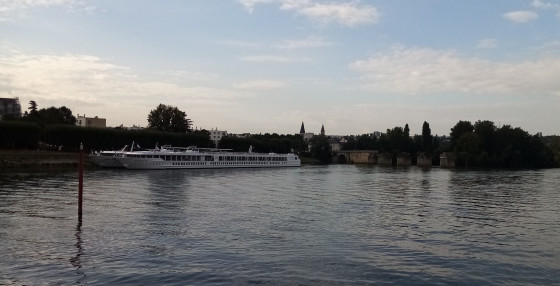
[[194, 159], [106, 161], [151, 164]]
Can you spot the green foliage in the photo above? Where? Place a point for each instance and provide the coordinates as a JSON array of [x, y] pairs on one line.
[[61, 115], [397, 140], [321, 149], [350, 144], [168, 118], [467, 147], [362, 142], [14, 134], [32, 106], [366, 142], [505, 147], [49, 116], [553, 143], [459, 129], [70, 137], [264, 143], [426, 143]]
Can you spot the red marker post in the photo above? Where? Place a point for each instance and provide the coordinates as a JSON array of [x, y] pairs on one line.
[[80, 181]]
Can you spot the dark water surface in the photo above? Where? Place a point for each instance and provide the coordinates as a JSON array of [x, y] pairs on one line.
[[327, 225]]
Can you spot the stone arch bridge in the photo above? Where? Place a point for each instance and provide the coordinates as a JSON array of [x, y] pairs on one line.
[[372, 157], [355, 157]]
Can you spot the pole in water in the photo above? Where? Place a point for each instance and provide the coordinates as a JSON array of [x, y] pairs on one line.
[[80, 181]]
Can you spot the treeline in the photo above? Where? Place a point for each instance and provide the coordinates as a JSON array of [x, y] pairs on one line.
[[18, 135], [481, 144], [399, 141], [484, 144], [265, 143]]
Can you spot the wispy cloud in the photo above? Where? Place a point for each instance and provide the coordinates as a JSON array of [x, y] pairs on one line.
[[11, 5], [271, 58], [349, 14], [521, 16], [260, 84], [10, 9], [240, 44], [89, 84], [311, 42], [250, 4], [551, 48], [487, 44], [427, 71], [545, 5]]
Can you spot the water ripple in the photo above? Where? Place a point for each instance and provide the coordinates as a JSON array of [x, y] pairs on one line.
[[313, 225]]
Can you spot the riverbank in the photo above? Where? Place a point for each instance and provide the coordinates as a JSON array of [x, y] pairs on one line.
[[39, 158]]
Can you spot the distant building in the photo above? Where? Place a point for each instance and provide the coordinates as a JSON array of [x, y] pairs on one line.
[[335, 144], [216, 135], [10, 106], [306, 136], [84, 121], [376, 134]]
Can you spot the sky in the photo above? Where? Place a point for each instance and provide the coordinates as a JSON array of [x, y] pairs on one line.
[[266, 66]]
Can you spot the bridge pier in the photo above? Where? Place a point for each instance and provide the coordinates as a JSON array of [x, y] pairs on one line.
[[371, 157]]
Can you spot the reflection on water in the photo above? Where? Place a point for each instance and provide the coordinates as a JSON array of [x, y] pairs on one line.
[[76, 260], [317, 225]]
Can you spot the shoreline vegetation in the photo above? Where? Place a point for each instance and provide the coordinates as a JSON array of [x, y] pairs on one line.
[[40, 158], [46, 159], [60, 159], [478, 144]]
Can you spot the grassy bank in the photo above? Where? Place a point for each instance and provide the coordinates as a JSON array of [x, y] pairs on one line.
[[36, 158]]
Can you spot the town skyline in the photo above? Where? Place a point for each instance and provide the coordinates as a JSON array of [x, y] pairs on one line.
[[261, 66]]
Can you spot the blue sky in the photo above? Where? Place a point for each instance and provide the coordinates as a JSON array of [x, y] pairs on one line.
[[267, 65]]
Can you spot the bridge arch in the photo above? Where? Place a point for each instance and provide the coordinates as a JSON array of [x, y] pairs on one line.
[[341, 159], [355, 157]]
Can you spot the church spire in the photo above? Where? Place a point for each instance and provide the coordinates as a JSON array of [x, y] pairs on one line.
[[323, 130], [302, 129]]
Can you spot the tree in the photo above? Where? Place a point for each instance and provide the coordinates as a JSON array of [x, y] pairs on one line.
[[459, 129], [398, 140], [366, 142], [49, 116], [406, 130], [53, 115], [168, 118], [350, 144], [467, 148], [486, 131], [427, 145], [321, 148], [32, 106]]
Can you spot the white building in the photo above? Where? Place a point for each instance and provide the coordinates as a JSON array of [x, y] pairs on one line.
[[84, 121], [216, 135]]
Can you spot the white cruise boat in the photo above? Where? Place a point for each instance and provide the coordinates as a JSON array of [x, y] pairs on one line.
[[168, 157], [107, 159]]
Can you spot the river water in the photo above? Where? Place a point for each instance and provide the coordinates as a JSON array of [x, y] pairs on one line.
[[314, 225]]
